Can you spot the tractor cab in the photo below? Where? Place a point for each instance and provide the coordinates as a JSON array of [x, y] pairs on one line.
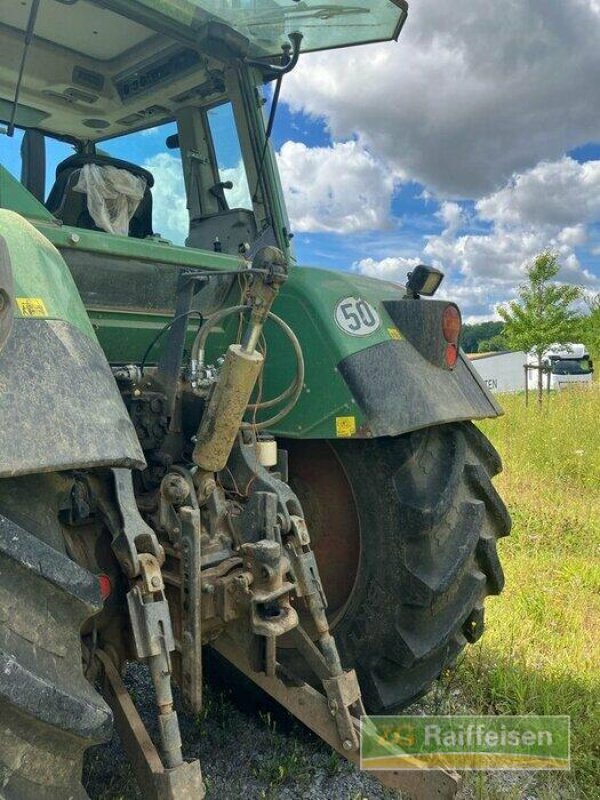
[[88, 75]]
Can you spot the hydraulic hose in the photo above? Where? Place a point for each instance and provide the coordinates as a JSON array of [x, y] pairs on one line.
[[292, 392]]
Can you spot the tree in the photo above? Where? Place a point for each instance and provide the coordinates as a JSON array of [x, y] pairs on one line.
[[493, 345], [472, 336], [590, 327], [498, 343], [543, 314]]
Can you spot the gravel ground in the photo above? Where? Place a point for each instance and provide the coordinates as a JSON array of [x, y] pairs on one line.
[[250, 748]]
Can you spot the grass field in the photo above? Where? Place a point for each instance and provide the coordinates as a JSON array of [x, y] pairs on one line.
[[541, 651]]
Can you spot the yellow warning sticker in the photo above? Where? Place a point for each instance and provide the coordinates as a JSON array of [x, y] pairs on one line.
[[394, 333], [345, 426], [32, 307]]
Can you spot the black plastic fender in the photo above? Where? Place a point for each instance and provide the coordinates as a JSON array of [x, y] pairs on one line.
[[402, 386]]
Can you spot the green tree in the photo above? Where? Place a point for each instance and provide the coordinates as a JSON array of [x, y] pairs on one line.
[[472, 335], [498, 343], [493, 345], [589, 331], [543, 314]]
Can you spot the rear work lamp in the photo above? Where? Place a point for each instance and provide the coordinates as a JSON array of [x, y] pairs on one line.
[[424, 281]]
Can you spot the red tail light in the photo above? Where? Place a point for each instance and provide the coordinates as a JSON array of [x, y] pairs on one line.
[[451, 324], [105, 586], [451, 355], [451, 327]]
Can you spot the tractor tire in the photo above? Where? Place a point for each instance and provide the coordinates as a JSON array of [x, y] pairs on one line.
[[49, 713], [404, 531]]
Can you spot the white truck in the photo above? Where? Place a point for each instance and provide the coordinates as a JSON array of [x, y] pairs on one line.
[[570, 364]]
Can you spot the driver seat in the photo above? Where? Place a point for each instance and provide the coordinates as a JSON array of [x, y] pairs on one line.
[[71, 206]]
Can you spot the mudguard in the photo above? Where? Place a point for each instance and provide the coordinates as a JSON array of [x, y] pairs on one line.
[[382, 383], [59, 404]]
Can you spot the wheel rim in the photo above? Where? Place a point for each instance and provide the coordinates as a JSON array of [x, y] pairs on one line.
[[318, 478]]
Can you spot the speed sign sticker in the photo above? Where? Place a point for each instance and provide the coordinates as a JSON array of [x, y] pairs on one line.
[[356, 317]]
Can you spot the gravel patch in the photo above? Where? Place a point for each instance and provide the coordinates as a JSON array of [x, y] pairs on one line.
[[250, 748]]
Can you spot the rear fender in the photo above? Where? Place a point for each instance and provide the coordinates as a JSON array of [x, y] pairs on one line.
[[59, 404], [386, 382]]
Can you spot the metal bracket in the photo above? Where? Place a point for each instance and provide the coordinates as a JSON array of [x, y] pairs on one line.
[[343, 694], [156, 782], [303, 562], [244, 469], [191, 604], [312, 708], [135, 535], [151, 625], [169, 367]]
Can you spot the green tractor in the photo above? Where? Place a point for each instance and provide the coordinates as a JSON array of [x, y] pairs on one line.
[[210, 446]]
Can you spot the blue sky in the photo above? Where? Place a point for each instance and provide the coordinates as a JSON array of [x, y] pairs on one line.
[[472, 144]]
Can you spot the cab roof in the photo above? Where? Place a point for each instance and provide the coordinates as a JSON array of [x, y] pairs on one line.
[[100, 68]]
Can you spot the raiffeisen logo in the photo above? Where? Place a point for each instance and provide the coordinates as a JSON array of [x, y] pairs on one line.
[[466, 742], [481, 735]]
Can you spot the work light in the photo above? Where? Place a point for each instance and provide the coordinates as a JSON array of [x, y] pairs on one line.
[[424, 280]]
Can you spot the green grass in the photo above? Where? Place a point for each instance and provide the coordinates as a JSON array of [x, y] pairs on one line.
[[541, 650]]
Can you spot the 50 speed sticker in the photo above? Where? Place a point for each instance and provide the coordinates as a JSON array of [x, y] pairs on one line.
[[356, 317]]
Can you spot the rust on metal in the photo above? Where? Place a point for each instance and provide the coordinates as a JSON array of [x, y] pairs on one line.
[[156, 782], [312, 709]]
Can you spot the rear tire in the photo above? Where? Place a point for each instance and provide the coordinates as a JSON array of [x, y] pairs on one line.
[[429, 519], [49, 713]]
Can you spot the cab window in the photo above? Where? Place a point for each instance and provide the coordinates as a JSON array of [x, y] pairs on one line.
[[228, 154]]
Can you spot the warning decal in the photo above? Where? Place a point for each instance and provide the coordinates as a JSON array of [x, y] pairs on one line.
[[32, 307], [345, 426]]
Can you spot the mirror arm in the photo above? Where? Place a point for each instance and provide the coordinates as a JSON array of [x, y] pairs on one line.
[[288, 62]]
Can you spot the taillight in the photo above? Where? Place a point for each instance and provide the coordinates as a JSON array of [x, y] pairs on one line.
[[451, 355], [451, 326], [105, 586]]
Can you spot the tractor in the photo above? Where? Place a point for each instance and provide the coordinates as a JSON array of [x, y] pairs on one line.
[[207, 447]]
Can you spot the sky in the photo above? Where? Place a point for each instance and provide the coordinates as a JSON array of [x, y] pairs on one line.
[[472, 144]]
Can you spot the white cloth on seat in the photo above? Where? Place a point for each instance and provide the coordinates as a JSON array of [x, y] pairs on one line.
[[113, 196]]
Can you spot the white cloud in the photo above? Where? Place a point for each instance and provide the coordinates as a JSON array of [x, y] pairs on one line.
[[393, 269], [339, 189], [544, 208], [170, 215], [536, 211], [239, 195], [453, 217], [563, 193], [503, 253], [472, 93]]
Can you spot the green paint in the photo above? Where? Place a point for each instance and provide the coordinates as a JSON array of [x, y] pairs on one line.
[[15, 196], [307, 303], [64, 236], [40, 272]]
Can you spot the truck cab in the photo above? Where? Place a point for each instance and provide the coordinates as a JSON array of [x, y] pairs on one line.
[[567, 365]]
